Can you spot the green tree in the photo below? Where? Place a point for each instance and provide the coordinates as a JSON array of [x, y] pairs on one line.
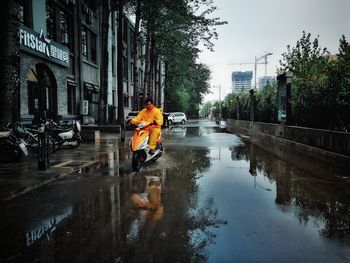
[[174, 30], [310, 65], [266, 108], [339, 87], [205, 111]]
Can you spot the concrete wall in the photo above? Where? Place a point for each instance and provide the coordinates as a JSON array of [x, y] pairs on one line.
[[336, 142]]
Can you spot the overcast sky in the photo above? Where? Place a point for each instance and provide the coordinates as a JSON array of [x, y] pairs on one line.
[[256, 26]]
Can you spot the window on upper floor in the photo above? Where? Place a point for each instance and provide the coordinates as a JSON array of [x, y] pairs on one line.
[[89, 44], [66, 30], [25, 12], [84, 42], [125, 30], [51, 20], [125, 68], [93, 49]]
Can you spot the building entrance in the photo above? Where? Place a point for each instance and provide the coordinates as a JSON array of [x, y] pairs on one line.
[[42, 92]]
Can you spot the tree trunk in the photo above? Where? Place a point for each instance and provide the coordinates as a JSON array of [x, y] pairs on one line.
[[147, 66], [166, 109], [10, 62], [136, 56], [121, 119], [102, 106], [152, 66], [159, 76]]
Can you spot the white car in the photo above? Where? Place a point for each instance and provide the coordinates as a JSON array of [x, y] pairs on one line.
[[177, 117]]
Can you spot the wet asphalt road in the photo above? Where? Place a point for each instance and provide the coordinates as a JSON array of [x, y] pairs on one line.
[[220, 199]]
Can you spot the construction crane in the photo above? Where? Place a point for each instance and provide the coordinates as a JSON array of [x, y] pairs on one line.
[[255, 63]]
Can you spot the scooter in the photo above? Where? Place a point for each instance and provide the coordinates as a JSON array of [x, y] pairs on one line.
[[68, 136], [140, 148]]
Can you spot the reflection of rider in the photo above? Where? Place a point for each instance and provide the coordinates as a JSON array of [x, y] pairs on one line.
[[153, 202], [152, 115]]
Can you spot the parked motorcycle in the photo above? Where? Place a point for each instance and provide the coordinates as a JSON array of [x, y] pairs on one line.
[[30, 136], [64, 136], [11, 147], [140, 148]]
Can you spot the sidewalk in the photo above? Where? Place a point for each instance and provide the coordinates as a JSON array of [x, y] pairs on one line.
[[24, 176]]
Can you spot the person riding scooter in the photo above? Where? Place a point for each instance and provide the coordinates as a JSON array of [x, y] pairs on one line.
[[152, 115]]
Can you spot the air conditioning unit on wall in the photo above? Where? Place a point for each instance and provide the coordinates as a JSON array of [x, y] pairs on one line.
[[85, 107]]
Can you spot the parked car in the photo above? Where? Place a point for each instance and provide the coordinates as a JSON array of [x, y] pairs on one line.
[[177, 117]]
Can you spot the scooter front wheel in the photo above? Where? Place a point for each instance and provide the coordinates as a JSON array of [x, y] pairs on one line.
[[137, 160]]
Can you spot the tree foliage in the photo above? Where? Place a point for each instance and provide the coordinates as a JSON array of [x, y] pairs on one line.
[[320, 87], [176, 28]]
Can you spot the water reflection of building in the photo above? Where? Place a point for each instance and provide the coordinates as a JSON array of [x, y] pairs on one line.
[[315, 194]]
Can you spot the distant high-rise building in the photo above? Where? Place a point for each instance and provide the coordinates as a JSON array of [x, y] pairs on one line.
[[263, 81], [241, 81]]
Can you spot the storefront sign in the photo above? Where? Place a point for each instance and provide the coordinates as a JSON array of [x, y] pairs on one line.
[[37, 44]]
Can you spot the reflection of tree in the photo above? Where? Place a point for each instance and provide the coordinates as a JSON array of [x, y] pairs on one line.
[[323, 198], [204, 219], [240, 152]]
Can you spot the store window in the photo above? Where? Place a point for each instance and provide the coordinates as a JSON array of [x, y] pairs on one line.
[[42, 91]]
